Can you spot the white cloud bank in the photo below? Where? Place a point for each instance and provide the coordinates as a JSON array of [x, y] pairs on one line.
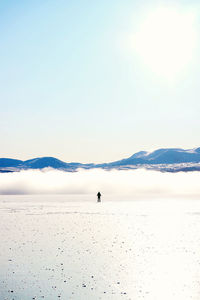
[[134, 183]]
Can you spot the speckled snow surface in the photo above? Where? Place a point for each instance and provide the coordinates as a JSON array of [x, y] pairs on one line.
[[56, 249]]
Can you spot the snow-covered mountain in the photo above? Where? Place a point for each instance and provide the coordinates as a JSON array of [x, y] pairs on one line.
[[162, 156], [38, 163], [168, 159]]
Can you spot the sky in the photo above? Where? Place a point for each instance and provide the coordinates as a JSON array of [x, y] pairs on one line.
[[96, 81]]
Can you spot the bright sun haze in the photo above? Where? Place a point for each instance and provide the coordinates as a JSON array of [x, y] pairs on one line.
[[166, 40], [97, 81]]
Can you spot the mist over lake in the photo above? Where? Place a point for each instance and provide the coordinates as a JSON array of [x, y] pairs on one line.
[[130, 183]]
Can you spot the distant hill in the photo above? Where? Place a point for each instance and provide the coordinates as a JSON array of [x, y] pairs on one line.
[[162, 156], [9, 162], [44, 162], [37, 163], [166, 160]]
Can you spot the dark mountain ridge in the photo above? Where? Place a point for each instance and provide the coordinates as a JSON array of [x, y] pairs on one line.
[[164, 157]]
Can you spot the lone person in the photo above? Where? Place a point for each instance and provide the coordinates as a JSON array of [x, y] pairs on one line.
[[98, 197]]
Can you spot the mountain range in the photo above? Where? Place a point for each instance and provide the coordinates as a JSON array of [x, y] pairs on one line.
[[166, 160]]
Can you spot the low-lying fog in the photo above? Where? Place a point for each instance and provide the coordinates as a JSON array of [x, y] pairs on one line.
[[136, 183]]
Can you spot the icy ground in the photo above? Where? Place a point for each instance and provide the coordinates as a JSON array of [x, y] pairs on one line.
[[53, 248]]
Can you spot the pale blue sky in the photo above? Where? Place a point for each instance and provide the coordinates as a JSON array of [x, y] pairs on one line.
[[71, 88]]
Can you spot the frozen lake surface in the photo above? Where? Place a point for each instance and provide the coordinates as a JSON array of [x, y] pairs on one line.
[[69, 247]]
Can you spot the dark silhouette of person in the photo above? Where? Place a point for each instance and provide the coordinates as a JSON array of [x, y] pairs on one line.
[[98, 197]]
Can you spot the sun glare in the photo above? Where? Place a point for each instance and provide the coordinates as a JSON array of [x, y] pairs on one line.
[[166, 40]]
